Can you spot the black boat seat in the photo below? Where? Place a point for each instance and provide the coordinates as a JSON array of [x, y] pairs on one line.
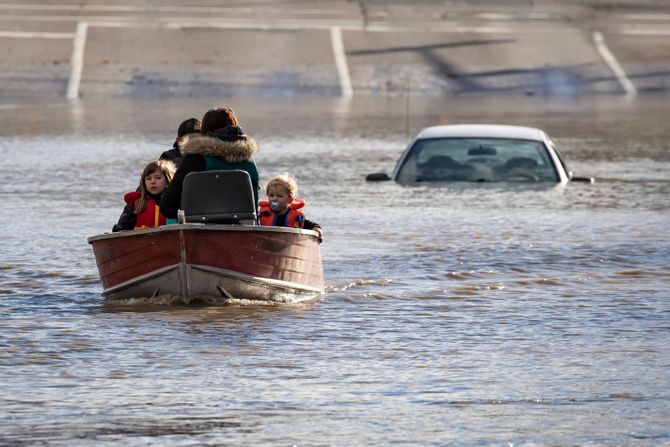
[[219, 197]]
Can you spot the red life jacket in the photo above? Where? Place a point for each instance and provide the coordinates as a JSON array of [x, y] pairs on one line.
[[295, 218], [150, 217]]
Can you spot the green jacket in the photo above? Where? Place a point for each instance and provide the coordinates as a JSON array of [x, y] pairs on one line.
[[219, 164]]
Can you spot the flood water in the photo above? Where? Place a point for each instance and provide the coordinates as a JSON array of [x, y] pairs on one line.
[[454, 314]]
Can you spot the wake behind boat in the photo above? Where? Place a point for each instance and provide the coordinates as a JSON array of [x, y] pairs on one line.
[[223, 256]]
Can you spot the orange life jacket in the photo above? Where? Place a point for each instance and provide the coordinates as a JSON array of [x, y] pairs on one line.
[[294, 219], [150, 217]]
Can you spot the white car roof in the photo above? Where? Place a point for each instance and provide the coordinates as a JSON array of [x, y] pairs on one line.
[[482, 131]]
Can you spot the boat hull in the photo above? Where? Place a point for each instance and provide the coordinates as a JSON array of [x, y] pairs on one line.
[[210, 263]]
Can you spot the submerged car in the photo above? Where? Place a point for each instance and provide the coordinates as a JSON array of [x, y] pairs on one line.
[[480, 153]]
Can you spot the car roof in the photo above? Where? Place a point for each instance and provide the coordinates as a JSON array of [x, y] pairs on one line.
[[482, 131]]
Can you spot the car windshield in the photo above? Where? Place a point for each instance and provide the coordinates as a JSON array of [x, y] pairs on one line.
[[477, 160]]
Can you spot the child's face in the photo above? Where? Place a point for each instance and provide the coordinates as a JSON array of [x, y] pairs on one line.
[[279, 199], [155, 182]]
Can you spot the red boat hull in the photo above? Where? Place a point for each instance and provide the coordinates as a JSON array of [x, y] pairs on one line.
[[210, 262]]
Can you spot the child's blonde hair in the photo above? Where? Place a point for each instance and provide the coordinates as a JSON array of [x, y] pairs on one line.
[[166, 167], [285, 181]]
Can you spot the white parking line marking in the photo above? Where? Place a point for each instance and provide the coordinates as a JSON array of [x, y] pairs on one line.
[[653, 17], [614, 65], [256, 24], [35, 35], [645, 32], [165, 9], [77, 62], [512, 16], [341, 62]]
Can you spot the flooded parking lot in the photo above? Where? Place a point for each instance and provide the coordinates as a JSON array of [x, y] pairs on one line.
[[461, 314]]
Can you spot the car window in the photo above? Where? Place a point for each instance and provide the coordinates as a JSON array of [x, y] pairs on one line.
[[477, 159]]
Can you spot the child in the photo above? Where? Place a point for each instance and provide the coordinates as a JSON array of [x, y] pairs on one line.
[[141, 210], [282, 209]]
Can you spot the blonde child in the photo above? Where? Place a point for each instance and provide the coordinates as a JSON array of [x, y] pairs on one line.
[[282, 207], [142, 210]]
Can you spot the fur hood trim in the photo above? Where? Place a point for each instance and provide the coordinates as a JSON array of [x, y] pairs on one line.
[[231, 151]]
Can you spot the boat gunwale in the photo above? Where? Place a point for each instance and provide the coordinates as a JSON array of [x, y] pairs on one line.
[[202, 227]]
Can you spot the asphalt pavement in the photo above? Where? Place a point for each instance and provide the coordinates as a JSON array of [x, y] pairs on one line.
[[181, 48]]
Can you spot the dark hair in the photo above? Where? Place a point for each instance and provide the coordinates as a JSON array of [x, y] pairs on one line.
[[187, 126], [216, 119]]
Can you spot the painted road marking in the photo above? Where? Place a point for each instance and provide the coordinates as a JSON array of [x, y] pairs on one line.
[[190, 9], [77, 63], [513, 16], [645, 32], [614, 65], [346, 25], [35, 35], [652, 17], [341, 62], [228, 10], [269, 24]]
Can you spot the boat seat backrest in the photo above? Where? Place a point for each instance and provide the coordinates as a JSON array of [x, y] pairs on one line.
[[219, 197]]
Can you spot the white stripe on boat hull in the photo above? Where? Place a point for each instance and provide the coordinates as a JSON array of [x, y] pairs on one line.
[[198, 282]]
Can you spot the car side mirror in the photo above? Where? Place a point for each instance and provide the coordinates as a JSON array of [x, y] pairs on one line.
[[377, 177]]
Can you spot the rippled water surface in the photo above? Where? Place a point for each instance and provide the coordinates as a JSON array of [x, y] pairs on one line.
[[454, 314]]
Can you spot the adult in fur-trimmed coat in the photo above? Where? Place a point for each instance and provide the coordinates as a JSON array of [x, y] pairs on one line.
[[220, 148]]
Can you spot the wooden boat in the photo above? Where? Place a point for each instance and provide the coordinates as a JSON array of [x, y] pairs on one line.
[[216, 253], [212, 263]]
